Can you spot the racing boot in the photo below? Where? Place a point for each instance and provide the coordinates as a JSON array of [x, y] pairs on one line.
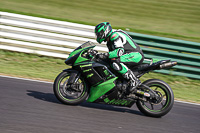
[[134, 82]]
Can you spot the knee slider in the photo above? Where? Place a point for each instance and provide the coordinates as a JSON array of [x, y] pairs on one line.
[[116, 66]]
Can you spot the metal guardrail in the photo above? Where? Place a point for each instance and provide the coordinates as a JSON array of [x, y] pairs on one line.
[[58, 38], [186, 53]]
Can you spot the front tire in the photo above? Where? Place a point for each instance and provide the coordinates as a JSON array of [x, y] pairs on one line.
[[68, 95], [160, 107]]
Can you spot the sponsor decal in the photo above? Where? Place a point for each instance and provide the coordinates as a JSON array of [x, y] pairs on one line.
[[113, 36], [87, 70], [146, 94], [90, 75], [106, 72], [85, 65]]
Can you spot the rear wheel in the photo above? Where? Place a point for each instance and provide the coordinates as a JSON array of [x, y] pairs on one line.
[[164, 102], [71, 95]]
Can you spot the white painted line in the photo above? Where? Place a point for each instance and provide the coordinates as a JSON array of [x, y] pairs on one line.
[[52, 83], [26, 79], [187, 102]]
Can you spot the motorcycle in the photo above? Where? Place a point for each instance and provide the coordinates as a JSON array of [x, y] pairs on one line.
[[93, 79]]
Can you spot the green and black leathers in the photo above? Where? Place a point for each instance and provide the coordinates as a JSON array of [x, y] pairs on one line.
[[123, 51]]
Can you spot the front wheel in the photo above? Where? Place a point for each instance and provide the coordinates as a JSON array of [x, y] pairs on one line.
[[160, 106], [70, 94]]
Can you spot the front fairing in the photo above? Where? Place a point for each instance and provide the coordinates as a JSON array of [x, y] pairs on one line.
[[76, 55], [85, 45]]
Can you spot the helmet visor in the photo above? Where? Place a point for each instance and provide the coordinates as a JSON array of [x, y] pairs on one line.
[[100, 36]]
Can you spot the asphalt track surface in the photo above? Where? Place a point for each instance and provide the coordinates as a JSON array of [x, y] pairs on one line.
[[31, 107]]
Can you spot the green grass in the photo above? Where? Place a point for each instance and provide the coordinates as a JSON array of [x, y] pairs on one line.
[[45, 68], [30, 65], [175, 19]]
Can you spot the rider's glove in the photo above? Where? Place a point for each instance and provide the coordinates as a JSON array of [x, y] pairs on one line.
[[102, 56], [92, 52]]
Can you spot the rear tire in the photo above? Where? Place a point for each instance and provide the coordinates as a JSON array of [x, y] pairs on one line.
[[161, 107], [67, 95]]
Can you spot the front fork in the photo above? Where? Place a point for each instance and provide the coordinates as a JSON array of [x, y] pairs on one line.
[[73, 80]]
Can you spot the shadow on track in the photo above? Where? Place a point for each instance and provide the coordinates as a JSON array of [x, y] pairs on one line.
[[110, 108], [49, 97], [43, 96]]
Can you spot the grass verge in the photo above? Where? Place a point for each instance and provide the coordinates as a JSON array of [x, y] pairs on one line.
[[46, 68], [174, 19]]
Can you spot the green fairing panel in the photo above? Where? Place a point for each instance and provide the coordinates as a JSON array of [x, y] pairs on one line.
[[101, 89], [79, 50], [75, 52], [80, 59]]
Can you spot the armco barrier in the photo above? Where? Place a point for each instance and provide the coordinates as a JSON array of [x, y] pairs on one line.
[[58, 38], [185, 52]]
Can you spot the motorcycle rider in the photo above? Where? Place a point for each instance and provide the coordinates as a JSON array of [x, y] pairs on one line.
[[123, 51]]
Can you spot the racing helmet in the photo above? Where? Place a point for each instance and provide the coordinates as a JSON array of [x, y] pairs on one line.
[[102, 31]]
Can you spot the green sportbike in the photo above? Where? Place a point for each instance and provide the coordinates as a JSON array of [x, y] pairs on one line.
[[93, 79]]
